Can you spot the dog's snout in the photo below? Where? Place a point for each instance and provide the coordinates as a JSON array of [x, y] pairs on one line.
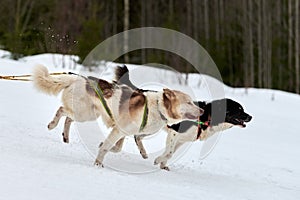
[[248, 119]]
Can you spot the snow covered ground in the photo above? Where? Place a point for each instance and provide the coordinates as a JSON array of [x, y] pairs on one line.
[[261, 161]]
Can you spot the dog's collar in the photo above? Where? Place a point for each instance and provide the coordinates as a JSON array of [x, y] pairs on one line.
[[207, 123], [199, 129]]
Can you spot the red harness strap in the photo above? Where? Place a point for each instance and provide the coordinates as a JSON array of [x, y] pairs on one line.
[[199, 129]]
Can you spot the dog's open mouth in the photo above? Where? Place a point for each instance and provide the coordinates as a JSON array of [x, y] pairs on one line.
[[241, 123]]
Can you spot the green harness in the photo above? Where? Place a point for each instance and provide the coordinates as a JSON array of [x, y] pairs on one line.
[[100, 95], [145, 116]]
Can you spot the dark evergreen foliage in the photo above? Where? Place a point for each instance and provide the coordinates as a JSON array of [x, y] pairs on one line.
[[251, 41]]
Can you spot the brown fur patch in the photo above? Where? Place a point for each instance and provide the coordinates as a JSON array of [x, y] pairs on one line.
[[170, 103], [131, 101], [106, 87]]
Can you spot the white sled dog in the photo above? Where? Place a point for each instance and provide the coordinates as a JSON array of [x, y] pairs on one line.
[[127, 111]]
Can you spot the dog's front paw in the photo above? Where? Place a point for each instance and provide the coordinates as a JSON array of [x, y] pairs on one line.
[[51, 125], [165, 167], [144, 155], [203, 137], [157, 160], [99, 164], [65, 138]]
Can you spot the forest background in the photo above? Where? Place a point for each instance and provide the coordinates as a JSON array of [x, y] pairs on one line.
[[254, 43]]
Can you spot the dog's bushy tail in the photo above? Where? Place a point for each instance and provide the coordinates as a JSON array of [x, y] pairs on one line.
[[50, 84], [122, 76]]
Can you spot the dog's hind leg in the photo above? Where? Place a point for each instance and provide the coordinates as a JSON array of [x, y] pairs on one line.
[[65, 134], [139, 143], [118, 146], [59, 113], [108, 143]]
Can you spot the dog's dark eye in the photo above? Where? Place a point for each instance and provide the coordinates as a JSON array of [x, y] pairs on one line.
[[189, 103]]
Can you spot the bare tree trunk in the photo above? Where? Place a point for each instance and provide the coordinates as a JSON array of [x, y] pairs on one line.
[[107, 19], [259, 43], [206, 22], [267, 46], [18, 17], [149, 22], [279, 35], [217, 21], [297, 43], [264, 58], [115, 17], [126, 28], [228, 41], [290, 43], [269, 49], [189, 17], [245, 44], [223, 25], [189, 32], [115, 24], [195, 20], [251, 54], [171, 9], [23, 12], [143, 24]]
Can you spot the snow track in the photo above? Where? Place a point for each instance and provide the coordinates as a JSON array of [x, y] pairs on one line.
[[261, 161]]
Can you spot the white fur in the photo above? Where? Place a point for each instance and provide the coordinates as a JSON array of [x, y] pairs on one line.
[[50, 84], [175, 140]]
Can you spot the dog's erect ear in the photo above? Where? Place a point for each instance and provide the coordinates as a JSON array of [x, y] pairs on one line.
[[120, 72], [169, 94]]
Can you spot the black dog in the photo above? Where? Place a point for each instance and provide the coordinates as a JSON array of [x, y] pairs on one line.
[[219, 115], [222, 110]]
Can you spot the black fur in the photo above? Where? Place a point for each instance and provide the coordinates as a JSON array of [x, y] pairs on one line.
[[183, 126], [122, 77], [216, 112]]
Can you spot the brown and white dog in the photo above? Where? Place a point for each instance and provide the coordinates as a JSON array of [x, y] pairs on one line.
[[127, 111], [218, 115]]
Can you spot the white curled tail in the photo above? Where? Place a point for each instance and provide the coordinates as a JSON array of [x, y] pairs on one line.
[[50, 84]]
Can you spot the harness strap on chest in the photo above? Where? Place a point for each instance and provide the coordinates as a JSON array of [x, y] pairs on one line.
[[145, 116], [199, 130], [100, 95]]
